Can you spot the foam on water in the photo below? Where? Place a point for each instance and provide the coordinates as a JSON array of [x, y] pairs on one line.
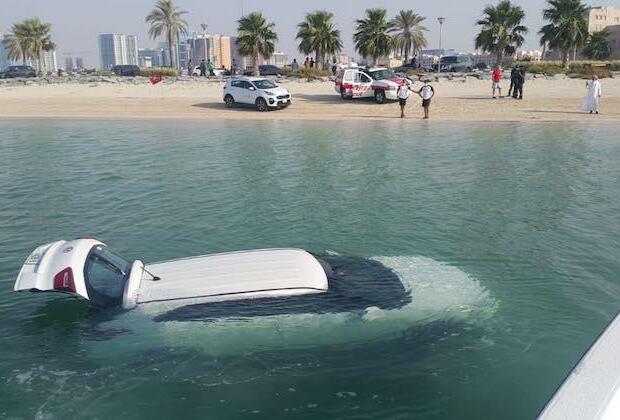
[[439, 292]]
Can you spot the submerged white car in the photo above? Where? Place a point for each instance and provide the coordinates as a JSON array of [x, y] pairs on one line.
[[283, 280], [263, 93]]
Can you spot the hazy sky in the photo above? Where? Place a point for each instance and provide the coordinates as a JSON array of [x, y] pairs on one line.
[[76, 23]]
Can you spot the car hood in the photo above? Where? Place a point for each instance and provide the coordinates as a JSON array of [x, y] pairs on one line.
[[392, 81], [277, 91]]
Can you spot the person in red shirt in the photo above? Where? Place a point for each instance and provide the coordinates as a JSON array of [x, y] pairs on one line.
[[496, 75]]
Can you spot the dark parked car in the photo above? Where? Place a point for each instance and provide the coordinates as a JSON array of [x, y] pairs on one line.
[[126, 70], [18, 71], [457, 63], [266, 70]]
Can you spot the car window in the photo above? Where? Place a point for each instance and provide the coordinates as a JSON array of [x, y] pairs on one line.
[[382, 74], [236, 84], [264, 84], [247, 85], [105, 273]]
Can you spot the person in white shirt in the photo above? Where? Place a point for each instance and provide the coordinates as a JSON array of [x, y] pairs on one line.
[[593, 97], [426, 92], [403, 93]]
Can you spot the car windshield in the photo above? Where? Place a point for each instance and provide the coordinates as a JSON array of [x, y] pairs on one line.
[[381, 74], [264, 84], [449, 60], [105, 273]]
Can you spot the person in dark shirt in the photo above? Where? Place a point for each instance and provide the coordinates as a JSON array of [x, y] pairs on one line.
[[519, 82], [513, 79]]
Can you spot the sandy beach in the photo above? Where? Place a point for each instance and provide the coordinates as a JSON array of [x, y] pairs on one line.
[[456, 100]]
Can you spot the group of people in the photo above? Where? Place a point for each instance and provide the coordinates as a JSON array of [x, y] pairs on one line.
[[517, 80], [426, 92]]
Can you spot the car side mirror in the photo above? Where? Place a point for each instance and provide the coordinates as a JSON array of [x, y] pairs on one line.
[[252, 88]]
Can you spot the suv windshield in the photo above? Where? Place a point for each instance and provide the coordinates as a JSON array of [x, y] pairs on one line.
[[264, 84], [381, 74], [105, 273]]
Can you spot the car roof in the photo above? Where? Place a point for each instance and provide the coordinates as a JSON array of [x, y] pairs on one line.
[[250, 78]]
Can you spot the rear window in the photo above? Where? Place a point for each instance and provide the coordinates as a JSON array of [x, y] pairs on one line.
[[381, 74], [105, 273]]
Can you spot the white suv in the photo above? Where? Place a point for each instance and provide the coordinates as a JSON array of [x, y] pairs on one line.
[[258, 91]]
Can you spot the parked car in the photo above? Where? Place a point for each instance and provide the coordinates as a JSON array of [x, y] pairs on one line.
[[263, 93], [405, 68], [216, 72], [265, 70], [18, 71], [126, 70], [379, 82], [456, 63]]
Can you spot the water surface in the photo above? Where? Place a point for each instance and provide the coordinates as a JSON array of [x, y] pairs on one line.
[[508, 235]]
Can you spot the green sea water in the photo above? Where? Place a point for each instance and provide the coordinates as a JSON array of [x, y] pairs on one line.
[[506, 235]]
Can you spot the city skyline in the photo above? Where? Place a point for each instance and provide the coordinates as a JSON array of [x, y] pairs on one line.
[[75, 26]]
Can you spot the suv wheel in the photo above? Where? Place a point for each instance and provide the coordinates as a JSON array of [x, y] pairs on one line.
[[380, 96], [229, 101], [261, 105]]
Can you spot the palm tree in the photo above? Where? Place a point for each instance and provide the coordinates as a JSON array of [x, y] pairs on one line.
[[502, 32], [408, 33], [567, 29], [167, 18], [17, 43], [372, 38], [598, 46], [318, 35], [256, 37], [39, 40]]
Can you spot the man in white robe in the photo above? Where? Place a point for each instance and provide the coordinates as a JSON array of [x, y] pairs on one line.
[[591, 101]]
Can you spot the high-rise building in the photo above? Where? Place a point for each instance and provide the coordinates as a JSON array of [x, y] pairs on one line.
[[278, 58], [4, 54], [606, 17], [79, 63], [150, 57], [49, 63], [69, 63], [242, 63], [116, 49], [214, 48]]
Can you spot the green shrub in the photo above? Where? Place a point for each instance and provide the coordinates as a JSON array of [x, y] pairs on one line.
[[164, 71], [307, 73], [106, 73]]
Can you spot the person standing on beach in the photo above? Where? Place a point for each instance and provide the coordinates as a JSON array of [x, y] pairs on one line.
[[307, 62], [513, 79], [190, 66], [203, 68], [210, 68], [403, 93], [294, 65], [591, 102], [233, 68], [519, 82], [312, 63], [496, 75], [426, 92]]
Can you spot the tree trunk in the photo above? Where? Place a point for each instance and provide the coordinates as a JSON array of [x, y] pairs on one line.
[[575, 53], [565, 57], [170, 49], [498, 58], [256, 70], [375, 58], [320, 61], [544, 52], [40, 63]]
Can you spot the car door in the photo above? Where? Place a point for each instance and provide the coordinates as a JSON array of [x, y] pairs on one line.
[[361, 85], [251, 93], [235, 88]]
